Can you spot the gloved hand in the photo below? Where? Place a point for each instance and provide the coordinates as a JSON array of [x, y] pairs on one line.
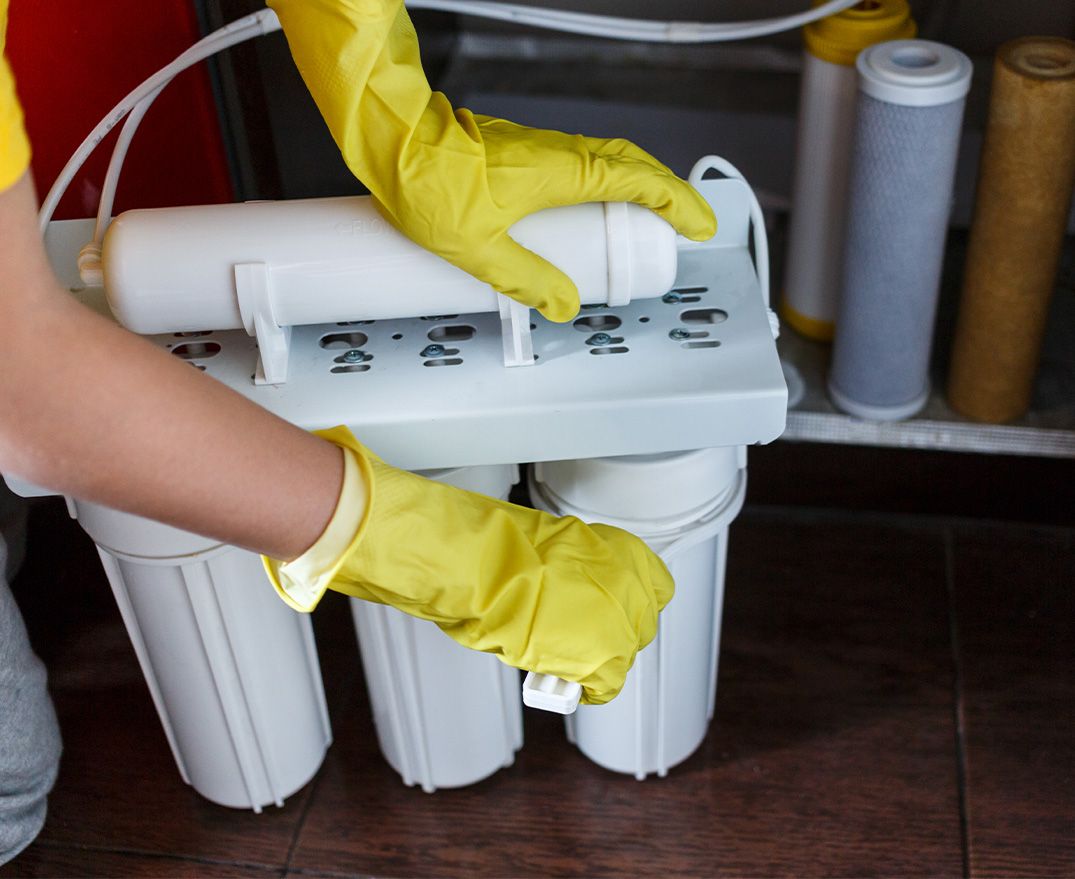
[[452, 181], [547, 594]]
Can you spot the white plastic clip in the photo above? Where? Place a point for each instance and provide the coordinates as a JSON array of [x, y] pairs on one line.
[[515, 331], [256, 307], [774, 323], [551, 693]]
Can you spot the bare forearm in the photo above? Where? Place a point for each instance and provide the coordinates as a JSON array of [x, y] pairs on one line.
[[94, 411]]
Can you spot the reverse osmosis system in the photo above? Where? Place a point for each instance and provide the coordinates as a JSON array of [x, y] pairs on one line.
[[638, 411]]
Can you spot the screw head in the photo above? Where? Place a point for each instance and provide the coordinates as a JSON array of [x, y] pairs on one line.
[[599, 339], [355, 355], [679, 334], [671, 297], [433, 351]]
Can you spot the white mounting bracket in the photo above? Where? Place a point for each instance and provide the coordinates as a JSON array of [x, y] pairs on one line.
[[515, 332], [253, 292]]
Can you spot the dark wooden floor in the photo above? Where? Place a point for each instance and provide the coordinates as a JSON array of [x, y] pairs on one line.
[[896, 698]]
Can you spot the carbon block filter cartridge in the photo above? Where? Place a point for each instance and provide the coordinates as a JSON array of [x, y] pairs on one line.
[[905, 144], [823, 149], [1024, 189]]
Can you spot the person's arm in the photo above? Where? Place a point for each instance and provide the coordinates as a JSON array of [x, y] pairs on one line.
[[91, 410]]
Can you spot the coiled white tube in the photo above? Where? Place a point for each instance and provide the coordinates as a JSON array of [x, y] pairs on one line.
[[242, 29]]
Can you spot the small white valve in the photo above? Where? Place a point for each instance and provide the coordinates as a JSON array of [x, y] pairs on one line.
[[89, 265], [551, 693]]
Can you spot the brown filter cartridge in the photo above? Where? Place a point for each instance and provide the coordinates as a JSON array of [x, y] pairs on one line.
[[1024, 192]]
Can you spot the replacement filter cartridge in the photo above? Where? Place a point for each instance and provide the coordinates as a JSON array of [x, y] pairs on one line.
[[333, 259], [903, 162], [1025, 182], [827, 101], [446, 716], [681, 504]]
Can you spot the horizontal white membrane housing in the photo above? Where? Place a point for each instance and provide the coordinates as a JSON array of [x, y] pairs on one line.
[[334, 259]]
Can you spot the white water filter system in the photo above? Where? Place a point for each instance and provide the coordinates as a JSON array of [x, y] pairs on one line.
[[232, 671], [445, 716], [681, 504], [827, 102], [906, 143]]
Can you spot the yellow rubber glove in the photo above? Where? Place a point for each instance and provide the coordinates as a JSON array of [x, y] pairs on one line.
[[452, 181], [547, 594], [14, 147]]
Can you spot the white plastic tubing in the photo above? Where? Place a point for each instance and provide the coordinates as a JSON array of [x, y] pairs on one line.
[[238, 31], [613, 27], [138, 101]]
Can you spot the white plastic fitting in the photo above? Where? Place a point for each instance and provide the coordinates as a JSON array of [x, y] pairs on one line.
[[551, 693], [267, 266]]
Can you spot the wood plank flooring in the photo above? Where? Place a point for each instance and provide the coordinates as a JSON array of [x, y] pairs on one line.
[[896, 698]]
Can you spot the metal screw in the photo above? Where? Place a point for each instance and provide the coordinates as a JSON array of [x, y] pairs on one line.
[[679, 334], [355, 355], [599, 339], [672, 297], [433, 351]]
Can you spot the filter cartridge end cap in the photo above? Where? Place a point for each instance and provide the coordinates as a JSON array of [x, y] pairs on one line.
[[914, 73]]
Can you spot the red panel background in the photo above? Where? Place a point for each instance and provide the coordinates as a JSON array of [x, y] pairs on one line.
[[73, 61]]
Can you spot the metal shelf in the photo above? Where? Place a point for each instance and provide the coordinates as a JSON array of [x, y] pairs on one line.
[[1045, 432]]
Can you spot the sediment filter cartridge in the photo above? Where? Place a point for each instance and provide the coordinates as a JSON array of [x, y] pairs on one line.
[[1025, 183], [905, 144], [822, 156], [332, 259]]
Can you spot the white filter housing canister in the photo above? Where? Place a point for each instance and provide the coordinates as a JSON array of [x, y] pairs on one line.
[[332, 259], [445, 716], [232, 671], [681, 504]]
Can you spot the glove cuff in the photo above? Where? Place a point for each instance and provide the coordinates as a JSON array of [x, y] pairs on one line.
[[302, 582]]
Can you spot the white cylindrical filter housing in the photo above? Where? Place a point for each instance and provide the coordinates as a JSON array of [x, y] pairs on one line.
[[333, 259], [445, 716], [233, 671], [681, 504], [827, 99], [910, 111]]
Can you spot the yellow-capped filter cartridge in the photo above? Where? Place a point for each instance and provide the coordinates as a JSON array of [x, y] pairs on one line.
[[819, 195]]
